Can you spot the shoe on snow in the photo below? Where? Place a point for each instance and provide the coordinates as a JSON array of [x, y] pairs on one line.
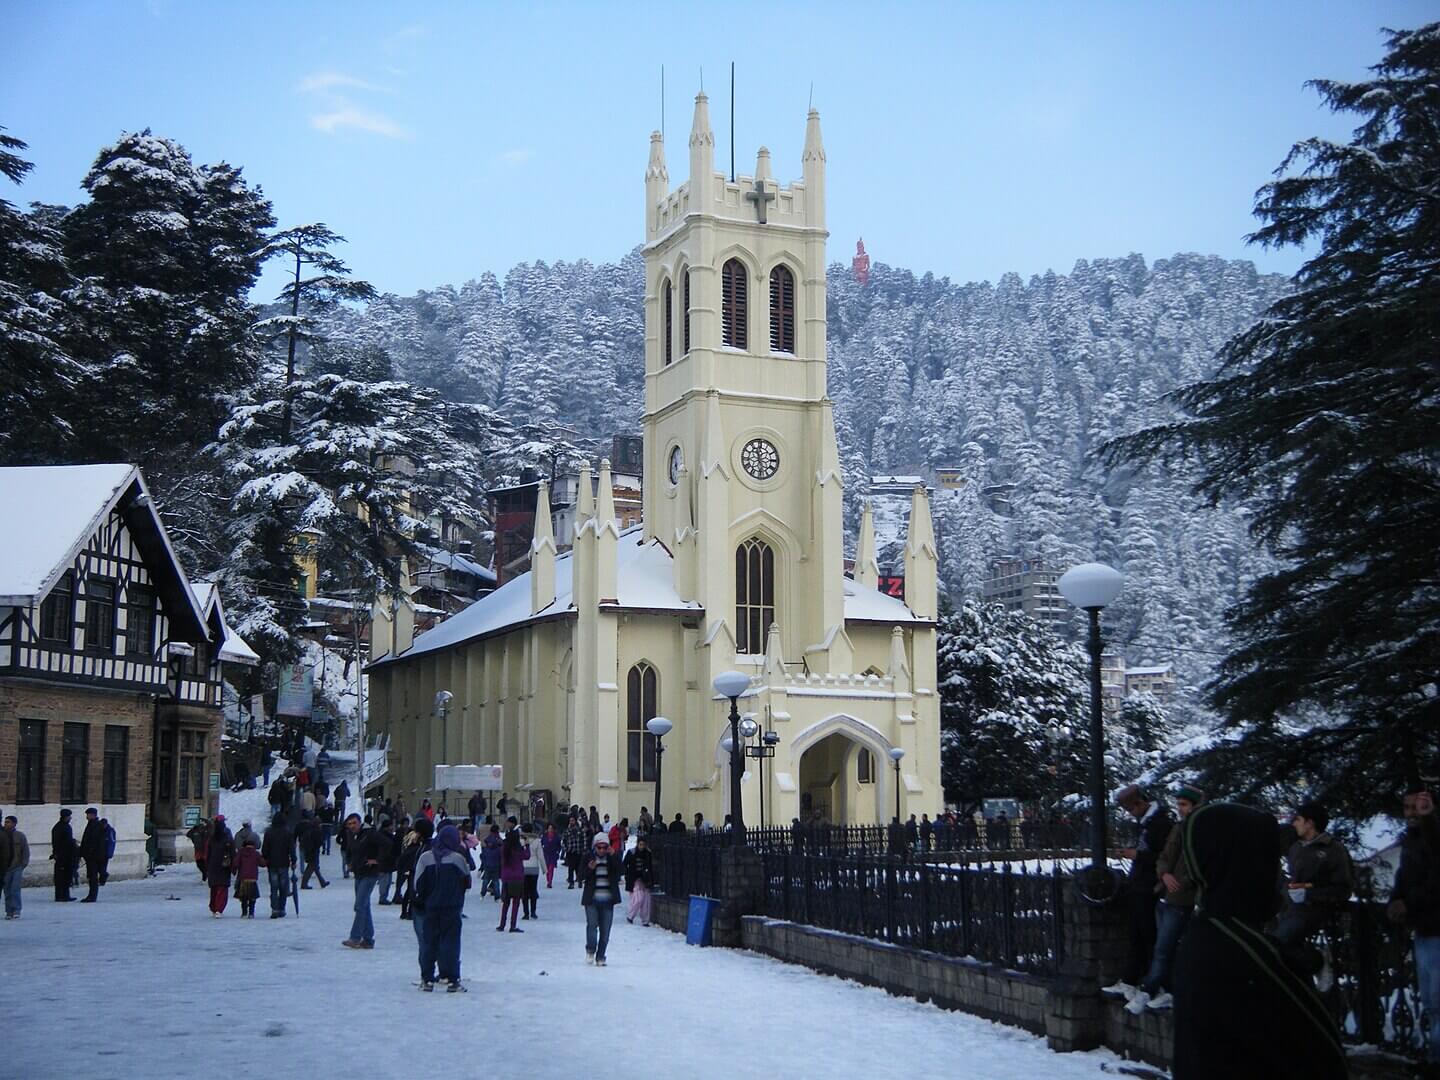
[[455, 987], [1120, 989], [1136, 1005], [1160, 1002], [428, 987]]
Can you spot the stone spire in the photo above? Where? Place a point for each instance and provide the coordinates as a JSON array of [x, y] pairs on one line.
[[867, 569], [813, 163], [542, 554], [921, 571], [585, 506], [702, 153], [657, 181], [607, 536], [762, 165]]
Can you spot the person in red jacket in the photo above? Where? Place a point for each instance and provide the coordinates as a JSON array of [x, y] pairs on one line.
[[247, 877]]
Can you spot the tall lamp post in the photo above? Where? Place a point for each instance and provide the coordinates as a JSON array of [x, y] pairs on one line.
[[442, 710], [731, 684], [1092, 587], [896, 753], [659, 727]]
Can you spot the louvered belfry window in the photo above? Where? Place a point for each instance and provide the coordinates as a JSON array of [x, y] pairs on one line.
[[669, 323], [782, 310], [733, 306], [685, 346]]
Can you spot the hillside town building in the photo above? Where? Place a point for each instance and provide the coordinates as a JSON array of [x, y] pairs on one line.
[[111, 663], [737, 564]]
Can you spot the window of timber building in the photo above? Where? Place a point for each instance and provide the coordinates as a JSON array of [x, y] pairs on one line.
[[865, 766], [754, 596], [642, 691], [782, 310], [139, 621], [668, 322], [197, 664], [117, 760], [74, 762], [192, 764], [30, 763], [57, 613], [734, 307], [99, 615]]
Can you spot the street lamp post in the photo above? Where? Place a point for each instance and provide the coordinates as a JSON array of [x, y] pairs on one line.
[[896, 753], [1092, 587], [659, 727], [442, 708], [731, 684]]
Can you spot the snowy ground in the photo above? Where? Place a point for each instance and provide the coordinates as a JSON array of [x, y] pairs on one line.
[[166, 991]]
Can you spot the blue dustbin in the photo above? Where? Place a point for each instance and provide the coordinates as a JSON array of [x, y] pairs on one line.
[[700, 926]]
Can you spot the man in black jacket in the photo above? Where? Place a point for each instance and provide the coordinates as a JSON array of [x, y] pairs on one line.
[[277, 855], [309, 835], [1154, 822], [92, 850], [362, 851], [63, 850], [1415, 902]]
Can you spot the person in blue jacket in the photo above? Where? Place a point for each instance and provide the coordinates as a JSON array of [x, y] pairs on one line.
[[442, 876]]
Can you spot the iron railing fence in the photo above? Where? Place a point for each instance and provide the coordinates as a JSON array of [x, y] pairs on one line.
[[881, 840], [1372, 989]]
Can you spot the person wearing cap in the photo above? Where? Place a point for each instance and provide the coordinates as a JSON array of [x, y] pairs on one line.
[[600, 893], [92, 850], [1319, 877], [1154, 822], [1415, 903], [219, 861], [1176, 902], [246, 833]]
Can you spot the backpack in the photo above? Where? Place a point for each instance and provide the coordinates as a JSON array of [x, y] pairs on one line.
[[109, 840]]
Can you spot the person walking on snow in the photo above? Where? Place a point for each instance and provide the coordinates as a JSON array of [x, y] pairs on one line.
[[277, 855], [574, 842], [417, 842], [550, 846], [599, 893], [309, 838], [534, 863], [639, 876], [512, 879], [219, 861], [442, 876], [490, 863], [362, 849], [15, 868], [92, 850], [247, 877]]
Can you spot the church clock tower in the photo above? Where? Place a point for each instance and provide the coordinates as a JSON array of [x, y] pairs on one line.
[[742, 478]]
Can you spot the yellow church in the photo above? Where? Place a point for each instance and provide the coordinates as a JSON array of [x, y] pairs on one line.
[[738, 565]]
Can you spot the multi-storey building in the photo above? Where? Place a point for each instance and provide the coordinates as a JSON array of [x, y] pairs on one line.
[[1027, 585]]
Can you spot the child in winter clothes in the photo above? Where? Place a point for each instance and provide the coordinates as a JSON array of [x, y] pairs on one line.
[[490, 863], [247, 877], [534, 863]]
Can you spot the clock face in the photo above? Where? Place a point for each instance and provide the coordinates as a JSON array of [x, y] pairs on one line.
[[760, 458], [676, 460]]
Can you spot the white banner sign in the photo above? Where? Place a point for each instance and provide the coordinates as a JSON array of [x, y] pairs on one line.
[[469, 778]]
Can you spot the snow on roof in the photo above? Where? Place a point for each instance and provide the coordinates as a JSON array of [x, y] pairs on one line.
[[233, 648], [1161, 669], [644, 575], [910, 480], [871, 605], [455, 560], [645, 580], [56, 508]]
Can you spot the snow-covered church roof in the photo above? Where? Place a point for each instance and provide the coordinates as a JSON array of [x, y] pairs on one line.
[[645, 581]]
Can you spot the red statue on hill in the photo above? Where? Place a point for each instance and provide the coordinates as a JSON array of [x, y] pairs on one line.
[[860, 265]]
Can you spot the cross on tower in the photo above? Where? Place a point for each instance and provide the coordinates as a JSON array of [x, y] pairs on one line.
[[760, 197]]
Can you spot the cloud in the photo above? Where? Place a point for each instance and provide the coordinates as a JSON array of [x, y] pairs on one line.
[[518, 156], [348, 116], [331, 80]]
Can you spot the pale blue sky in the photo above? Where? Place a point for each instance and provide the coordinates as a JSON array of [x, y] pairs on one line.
[[448, 139]]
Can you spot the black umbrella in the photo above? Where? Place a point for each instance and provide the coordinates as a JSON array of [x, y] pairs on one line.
[[295, 890]]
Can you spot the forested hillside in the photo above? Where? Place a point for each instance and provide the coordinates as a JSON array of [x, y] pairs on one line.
[[1015, 382]]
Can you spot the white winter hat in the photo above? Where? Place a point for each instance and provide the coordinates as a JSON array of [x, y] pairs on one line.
[[600, 838]]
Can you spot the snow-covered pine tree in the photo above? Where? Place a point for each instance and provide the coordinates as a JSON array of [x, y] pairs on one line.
[[38, 375], [1324, 421]]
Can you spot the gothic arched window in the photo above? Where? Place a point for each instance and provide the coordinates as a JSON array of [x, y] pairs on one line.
[[642, 693], [782, 310], [685, 301], [668, 322], [865, 766], [754, 596], [734, 309]]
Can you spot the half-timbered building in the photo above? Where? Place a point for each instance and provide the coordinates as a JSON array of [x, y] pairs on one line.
[[110, 662]]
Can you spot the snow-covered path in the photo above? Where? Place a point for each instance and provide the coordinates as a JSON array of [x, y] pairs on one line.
[[140, 985]]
